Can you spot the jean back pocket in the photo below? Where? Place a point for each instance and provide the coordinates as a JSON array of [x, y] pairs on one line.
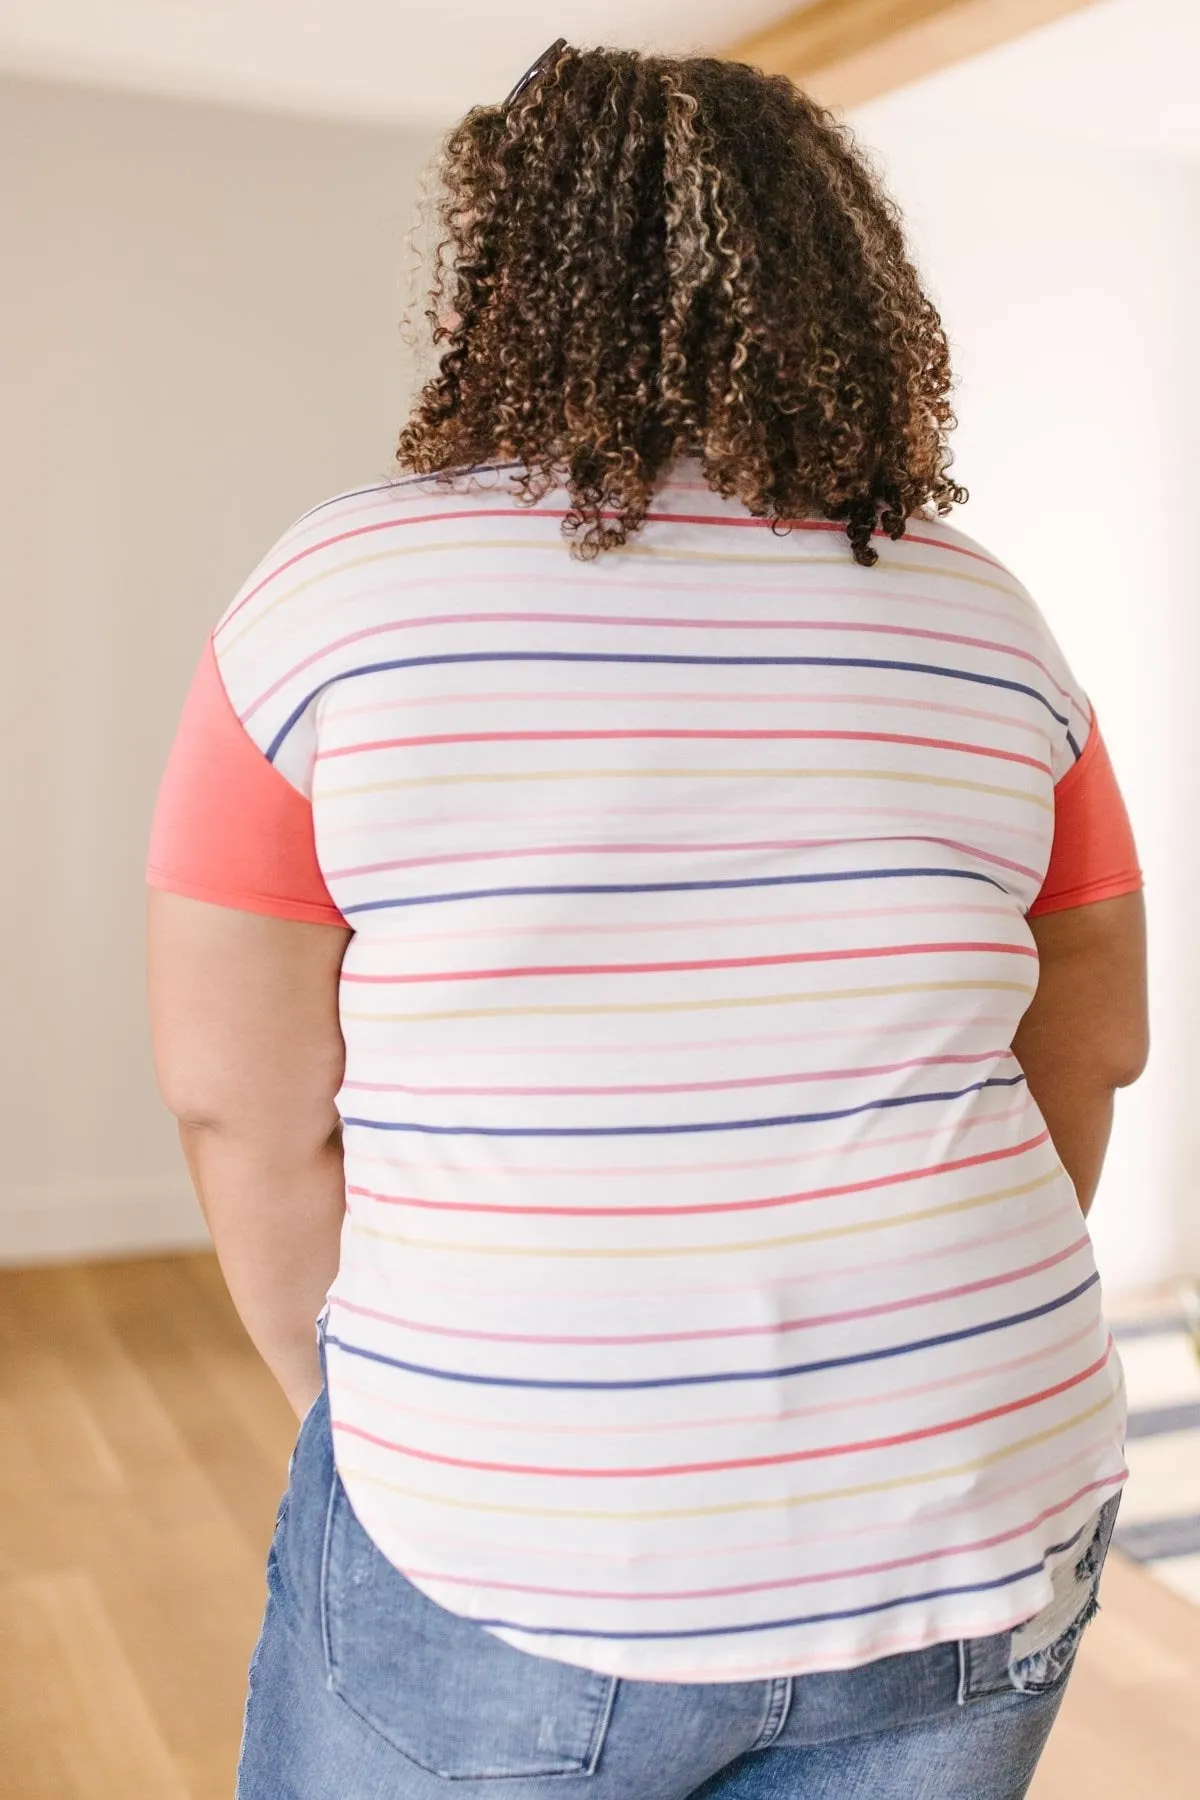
[[439, 1688]]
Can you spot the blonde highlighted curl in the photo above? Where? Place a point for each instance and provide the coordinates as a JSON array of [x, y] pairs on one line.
[[646, 257]]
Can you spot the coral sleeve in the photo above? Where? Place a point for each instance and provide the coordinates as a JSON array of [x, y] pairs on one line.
[[1093, 856], [228, 827]]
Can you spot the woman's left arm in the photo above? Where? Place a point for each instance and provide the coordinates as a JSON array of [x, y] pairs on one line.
[[249, 1054]]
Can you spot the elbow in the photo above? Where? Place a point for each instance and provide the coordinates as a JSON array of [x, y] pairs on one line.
[[277, 1119], [1128, 1058], [194, 1093]]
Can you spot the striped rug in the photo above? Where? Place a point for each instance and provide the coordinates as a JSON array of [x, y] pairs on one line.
[[1159, 1523]]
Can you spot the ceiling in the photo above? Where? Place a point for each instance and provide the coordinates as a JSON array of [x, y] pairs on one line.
[[1125, 73], [1121, 73], [404, 60]]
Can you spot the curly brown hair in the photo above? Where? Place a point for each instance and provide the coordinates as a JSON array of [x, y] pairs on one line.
[[644, 257]]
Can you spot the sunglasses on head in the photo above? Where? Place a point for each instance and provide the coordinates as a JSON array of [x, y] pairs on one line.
[[531, 74]]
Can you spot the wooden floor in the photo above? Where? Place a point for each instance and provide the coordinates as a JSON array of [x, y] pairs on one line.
[[143, 1452]]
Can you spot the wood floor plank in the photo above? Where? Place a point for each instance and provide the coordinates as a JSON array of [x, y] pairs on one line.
[[35, 1716], [228, 1412], [66, 1437], [104, 1734], [187, 1608]]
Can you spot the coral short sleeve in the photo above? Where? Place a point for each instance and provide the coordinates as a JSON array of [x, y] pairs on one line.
[[1093, 856], [229, 828]]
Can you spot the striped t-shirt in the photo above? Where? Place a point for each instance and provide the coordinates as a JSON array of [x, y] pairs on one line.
[[712, 1302]]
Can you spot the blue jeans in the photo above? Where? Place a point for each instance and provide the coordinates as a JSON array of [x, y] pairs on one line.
[[363, 1689]]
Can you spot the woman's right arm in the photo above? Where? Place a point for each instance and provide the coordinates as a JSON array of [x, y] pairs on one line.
[[1086, 1032]]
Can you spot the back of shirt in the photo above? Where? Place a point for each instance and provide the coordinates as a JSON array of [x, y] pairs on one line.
[[712, 1302]]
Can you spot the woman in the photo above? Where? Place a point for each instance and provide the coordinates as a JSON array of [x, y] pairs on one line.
[[598, 983]]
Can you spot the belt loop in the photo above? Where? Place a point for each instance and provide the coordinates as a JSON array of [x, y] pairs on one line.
[[779, 1702]]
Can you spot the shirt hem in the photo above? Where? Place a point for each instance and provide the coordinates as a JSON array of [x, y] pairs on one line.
[[1113, 887], [269, 905]]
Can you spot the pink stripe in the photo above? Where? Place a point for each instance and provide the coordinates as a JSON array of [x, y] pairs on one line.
[[654, 697], [865, 1145], [779, 1460], [872, 590], [589, 1295], [823, 525], [555, 512], [673, 926], [790, 811], [828, 525], [872, 1527], [481, 1289], [760, 1041], [523, 851], [670, 733], [815, 1577], [733, 1421], [648, 622], [869, 953], [691, 1087], [517, 851], [978, 1624], [726, 1206], [1041, 1223], [512, 514], [525, 579], [816, 843], [719, 1333]]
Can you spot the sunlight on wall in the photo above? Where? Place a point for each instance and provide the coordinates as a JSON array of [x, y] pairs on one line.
[[1065, 275]]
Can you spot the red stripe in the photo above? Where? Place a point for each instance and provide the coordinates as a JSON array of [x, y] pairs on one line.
[[728, 1206], [827, 525], [420, 621], [779, 1460], [553, 737], [680, 1087], [555, 512], [670, 968], [808, 1579], [719, 1332]]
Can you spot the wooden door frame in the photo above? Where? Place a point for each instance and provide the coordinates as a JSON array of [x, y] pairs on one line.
[[849, 51]]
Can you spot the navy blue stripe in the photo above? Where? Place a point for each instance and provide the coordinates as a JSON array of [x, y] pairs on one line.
[[1074, 746], [821, 1618], [376, 487], [1157, 1421], [1160, 1539], [387, 483], [604, 1131], [672, 1381], [674, 887], [587, 656]]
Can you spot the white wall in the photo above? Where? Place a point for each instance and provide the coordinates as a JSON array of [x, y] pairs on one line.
[[1067, 276], [198, 339]]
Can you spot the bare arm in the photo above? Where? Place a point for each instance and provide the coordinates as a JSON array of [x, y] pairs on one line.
[[1086, 1032], [249, 1056]]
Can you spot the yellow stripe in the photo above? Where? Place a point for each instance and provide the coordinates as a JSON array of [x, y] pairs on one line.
[[943, 781], [745, 1506], [887, 1223], [684, 1006], [557, 547]]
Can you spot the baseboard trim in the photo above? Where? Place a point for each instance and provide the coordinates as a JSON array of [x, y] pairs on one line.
[[63, 1223]]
